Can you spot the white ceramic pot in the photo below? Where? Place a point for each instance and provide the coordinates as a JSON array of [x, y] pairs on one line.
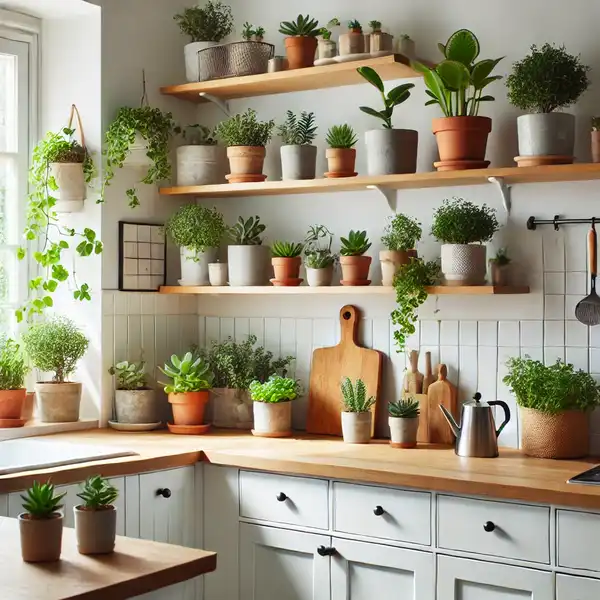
[[403, 432], [391, 151], [464, 264], [95, 530], [192, 70], [217, 274], [298, 162], [248, 265], [72, 188], [272, 419], [356, 427], [230, 408], [326, 49], [194, 265], [135, 406], [319, 277], [58, 402], [390, 261], [138, 153], [201, 165]]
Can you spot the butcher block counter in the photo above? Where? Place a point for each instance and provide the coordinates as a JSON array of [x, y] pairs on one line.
[[510, 476]]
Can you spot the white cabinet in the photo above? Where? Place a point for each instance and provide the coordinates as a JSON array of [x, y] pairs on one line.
[[3, 505], [577, 588], [361, 571], [577, 539]]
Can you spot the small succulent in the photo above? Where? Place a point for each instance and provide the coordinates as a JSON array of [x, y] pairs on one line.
[[355, 26], [298, 131], [341, 136], [97, 493], [501, 258], [325, 32], [248, 232], [275, 389], [129, 375], [356, 244], [404, 409], [286, 249], [375, 26], [303, 26], [354, 397], [40, 500], [247, 31], [189, 374]]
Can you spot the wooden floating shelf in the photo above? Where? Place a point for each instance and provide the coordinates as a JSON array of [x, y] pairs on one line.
[[510, 175], [297, 80]]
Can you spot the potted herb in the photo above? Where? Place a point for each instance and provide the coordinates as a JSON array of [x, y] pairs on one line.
[[55, 346], [556, 403], [300, 41], [407, 47], [198, 231], [286, 263], [545, 81], [355, 265], [96, 517], [400, 237], [319, 260], [354, 41], [13, 370], [463, 227], [200, 161], [389, 150], [259, 34], [326, 47], [247, 257], [206, 26], [357, 417], [596, 139], [456, 84], [298, 155], [273, 406], [41, 524], [341, 154], [246, 138], [134, 400], [500, 268], [404, 422], [381, 44]]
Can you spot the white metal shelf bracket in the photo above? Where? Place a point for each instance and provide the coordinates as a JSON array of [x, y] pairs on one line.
[[222, 104], [390, 195], [505, 192]]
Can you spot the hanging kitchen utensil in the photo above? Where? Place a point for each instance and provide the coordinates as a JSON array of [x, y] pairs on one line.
[[588, 309]]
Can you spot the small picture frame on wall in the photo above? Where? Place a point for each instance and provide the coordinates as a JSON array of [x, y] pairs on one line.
[[142, 257]]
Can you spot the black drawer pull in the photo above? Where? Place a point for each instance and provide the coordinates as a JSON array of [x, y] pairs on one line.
[[326, 551], [281, 497], [489, 526], [378, 511], [164, 492]]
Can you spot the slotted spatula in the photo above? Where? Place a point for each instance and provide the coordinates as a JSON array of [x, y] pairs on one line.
[[588, 309]]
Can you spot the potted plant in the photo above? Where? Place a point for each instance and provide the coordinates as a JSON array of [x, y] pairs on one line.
[[247, 31], [246, 138], [301, 41], [198, 231], [13, 370], [206, 26], [134, 400], [596, 139], [41, 524], [298, 155], [247, 257], [457, 85], [286, 263], [556, 403], [355, 265], [55, 346], [188, 392], [499, 267], [357, 417], [381, 44], [96, 517], [354, 41], [273, 406], [326, 47], [463, 227], [259, 34], [319, 260], [406, 46], [545, 81], [341, 154], [217, 274], [200, 161], [400, 237], [389, 150], [404, 422]]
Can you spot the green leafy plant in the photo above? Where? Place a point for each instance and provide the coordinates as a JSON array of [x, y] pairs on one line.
[[13, 367], [189, 374], [247, 232], [245, 130], [303, 26], [462, 222], [354, 397], [404, 36], [197, 135], [551, 389], [41, 500], [341, 136], [401, 233], [548, 79], [210, 23], [275, 389], [298, 131], [247, 31], [129, 375], [457, 83], [501, 258], [196, 227], [375, 26], [355, 26], [325, 32], [98, 494], [410, 283], [404, 409], [356, 244], [55, 346], [317, 248], [259, 33], [286, 249]]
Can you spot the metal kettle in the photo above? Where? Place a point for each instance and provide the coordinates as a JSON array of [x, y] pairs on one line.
[[477, 434]]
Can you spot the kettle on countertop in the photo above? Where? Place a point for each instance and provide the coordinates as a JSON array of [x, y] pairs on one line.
[[477, 435]]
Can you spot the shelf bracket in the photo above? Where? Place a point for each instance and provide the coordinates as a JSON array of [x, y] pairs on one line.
[[505, 192], [390, 195], [222, 104]]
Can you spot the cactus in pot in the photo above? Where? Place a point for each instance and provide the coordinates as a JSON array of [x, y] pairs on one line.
[[357, 417]]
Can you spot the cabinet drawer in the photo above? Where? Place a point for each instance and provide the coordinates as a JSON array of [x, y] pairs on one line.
[[514, 531], [576, 588], [578, 535], [284, 499], [382, 513]]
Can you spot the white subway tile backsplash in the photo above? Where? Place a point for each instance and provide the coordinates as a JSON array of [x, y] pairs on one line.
[[570, 304], [552, 354], [554, 333], [381, 335], [468, 376], [553, 250], [578, 357], [413, 341], [554, 307], [487, 359], [488, 333], [508, 333], [554, 283], [576, 247], [468, 333], [449, 356], [449, 333], [576, 283], [532, 333], [533, 352], [430, 333], [365, 333], [576, 334]]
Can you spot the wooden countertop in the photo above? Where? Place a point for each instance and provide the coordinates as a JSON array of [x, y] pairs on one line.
[[136, 567], [512, 475]]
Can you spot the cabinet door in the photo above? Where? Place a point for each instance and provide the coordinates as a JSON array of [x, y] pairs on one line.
[[362, 571], [576, 588], [3, 505], [283, 565], [462, 579]]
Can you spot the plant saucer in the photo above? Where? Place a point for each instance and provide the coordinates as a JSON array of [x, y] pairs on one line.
[[189, 429], [354, 283], [539, 161], [336, 175], [134, 426], [352, 57], [272, 434], [291, 282], [10, 423], [461, 165], [246, 178]]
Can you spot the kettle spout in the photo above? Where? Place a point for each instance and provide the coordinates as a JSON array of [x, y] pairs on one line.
[[453, 424]]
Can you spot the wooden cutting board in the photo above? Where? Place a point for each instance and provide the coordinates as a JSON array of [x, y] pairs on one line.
[[413, 380], [445, 393], [330, 365], [428, 379]]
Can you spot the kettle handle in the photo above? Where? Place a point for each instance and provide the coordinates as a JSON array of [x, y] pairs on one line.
[[506, 414]]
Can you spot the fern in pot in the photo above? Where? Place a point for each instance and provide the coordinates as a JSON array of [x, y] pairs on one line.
[[298, 155], [273, 406], [319, 260], [246, 256], [400, 238], [463, 227], [357, 412], [134, 401], [200, 160], [198, 231]]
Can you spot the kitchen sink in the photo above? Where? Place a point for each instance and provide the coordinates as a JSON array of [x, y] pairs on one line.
[[31, 454]]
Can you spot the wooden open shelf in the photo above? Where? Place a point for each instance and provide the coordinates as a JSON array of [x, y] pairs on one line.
[[297, 80], [510, 175]]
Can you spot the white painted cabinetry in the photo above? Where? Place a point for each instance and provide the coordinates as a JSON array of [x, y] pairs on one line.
[[576, 588]]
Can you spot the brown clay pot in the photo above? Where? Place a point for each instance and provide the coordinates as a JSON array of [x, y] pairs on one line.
[[287, 270], [246, 163], [341, 162], [300, 51], [596, 146], [28, 407], [41, 539], [500, 274], [462, 138], [391, 261], [188, 408], [11, 403], [355, 270]]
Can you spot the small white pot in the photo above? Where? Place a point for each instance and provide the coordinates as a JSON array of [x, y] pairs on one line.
[[403, 432], [356, 427], [201, 165], [135, 406], [138, 153], [248, 265], [72, 188], [272, 420], [326, 49], [95, 530], [217, 274], [58, 402], [319, 277], [192, 69], [464, 264], [194, 265]]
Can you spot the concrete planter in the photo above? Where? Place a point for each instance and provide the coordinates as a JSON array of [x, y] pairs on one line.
[[41, 539], [381, 44], [356, 427], [58, 402], [391, 151], [353, 43], [391, 261], [135, 406], [464, 264], [272, 420], [201, 165], [231, 409], [319, 277], [248, 265], [403, 432], [217, 274], [192, 69], [546, 134], [407, 47], [72, 188], [326, 50], [298, 162], [95, 530], [194, 265]]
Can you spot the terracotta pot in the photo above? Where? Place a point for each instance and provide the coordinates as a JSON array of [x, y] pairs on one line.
[[300, 51], [462, 138], [596, 146], [41, 539], [355, 269], [341, 162], [188, 408], [287, 269], [356, 427], [58, 402], [11, 403], [500, 274], [403, 432], [391, 261], [246, 163], [28, 407], [272, 419], [95, 530]]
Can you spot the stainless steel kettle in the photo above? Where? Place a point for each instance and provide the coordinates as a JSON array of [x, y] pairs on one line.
[[477, 434]]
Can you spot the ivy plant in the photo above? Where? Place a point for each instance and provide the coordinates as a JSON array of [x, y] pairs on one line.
[[462, 222], [196, 227]]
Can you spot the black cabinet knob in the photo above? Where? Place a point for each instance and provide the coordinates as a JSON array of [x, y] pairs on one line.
[[281, 497], [326, 551], [164, 492], [489, 526], [378, 511]]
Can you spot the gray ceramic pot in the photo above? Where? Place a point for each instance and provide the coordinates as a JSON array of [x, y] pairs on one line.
[[95, 530], [298, 162], [230, 408], [319, 277], [403, 432], [135, 406], [391, 151], [546, 134], [248, 265], [58, 402]]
